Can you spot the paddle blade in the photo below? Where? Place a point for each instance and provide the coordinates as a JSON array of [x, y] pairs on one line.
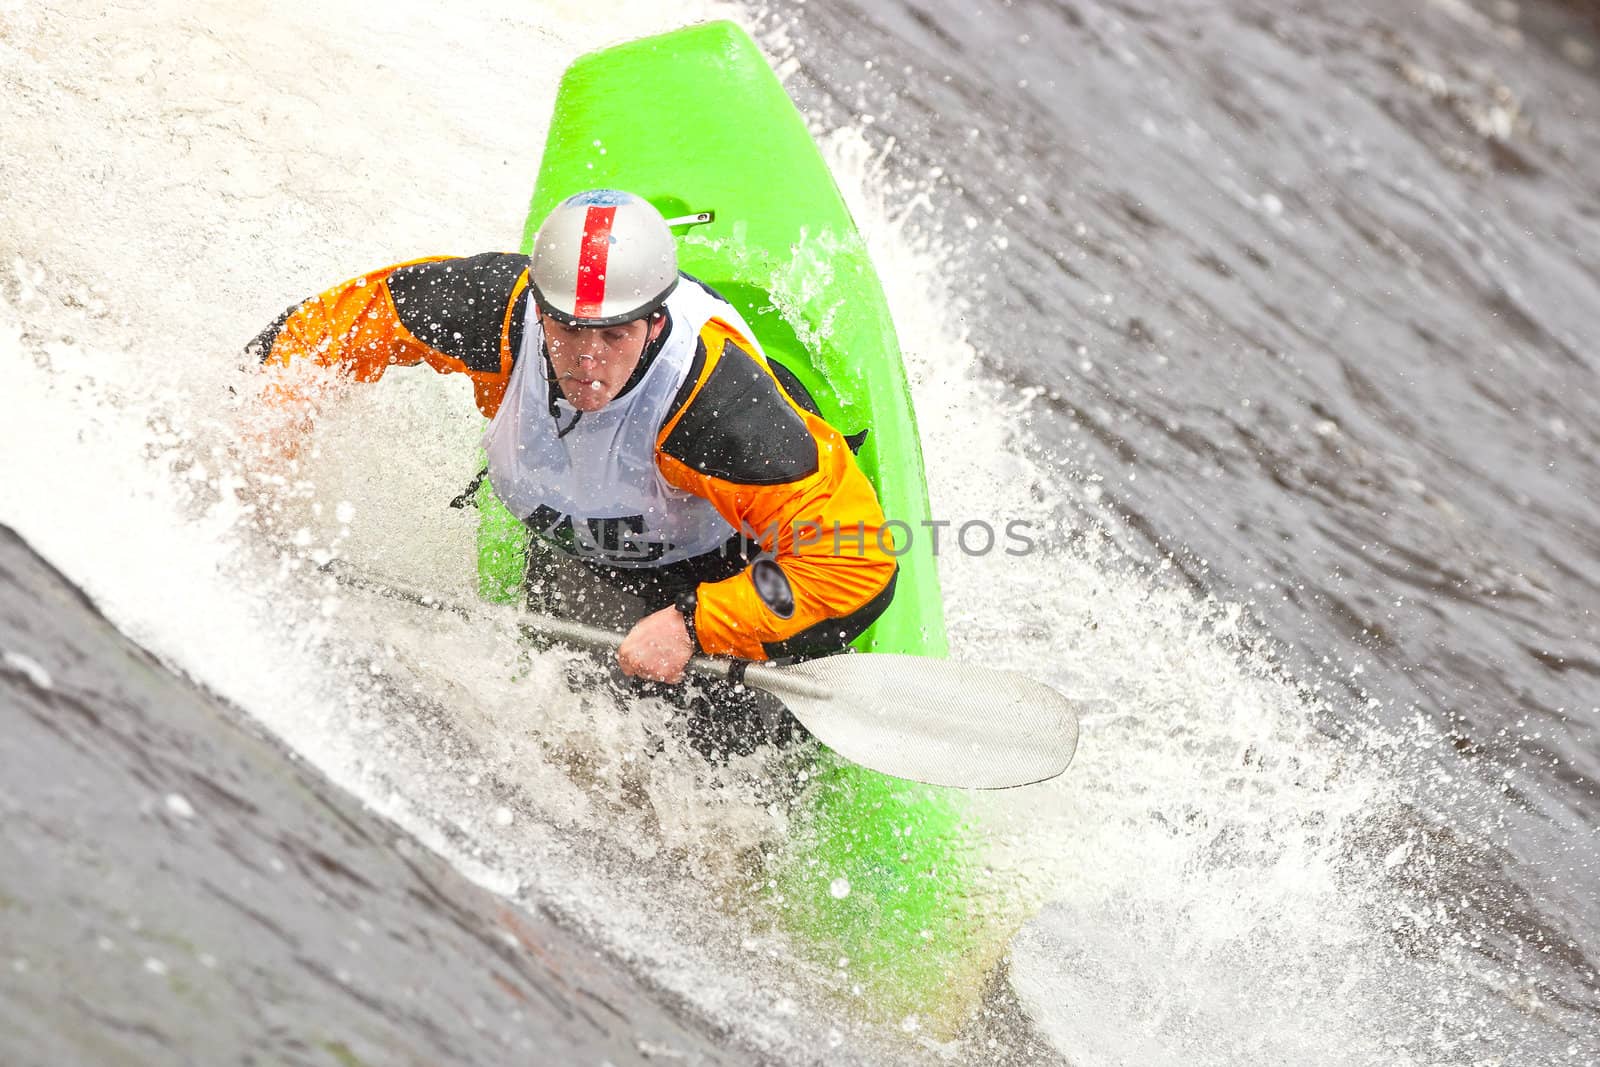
[[930, 720]]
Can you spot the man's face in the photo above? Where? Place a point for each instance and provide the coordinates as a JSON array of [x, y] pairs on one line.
[[593, 363]]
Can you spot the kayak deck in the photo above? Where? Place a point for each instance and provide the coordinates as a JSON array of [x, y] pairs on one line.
[[877, 872]]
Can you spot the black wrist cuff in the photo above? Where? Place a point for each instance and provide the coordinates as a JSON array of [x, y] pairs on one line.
[[686, 602]]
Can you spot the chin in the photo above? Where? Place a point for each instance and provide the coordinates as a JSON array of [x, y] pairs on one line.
[[587, 399]]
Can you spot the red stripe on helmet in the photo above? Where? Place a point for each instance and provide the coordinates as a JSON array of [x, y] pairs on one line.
[[591, 288]]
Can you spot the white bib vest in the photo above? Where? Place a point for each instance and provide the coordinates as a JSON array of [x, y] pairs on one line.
[[596, 492]]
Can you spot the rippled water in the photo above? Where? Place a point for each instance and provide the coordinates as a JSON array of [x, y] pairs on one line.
[[1299, 307], [1279, 320]]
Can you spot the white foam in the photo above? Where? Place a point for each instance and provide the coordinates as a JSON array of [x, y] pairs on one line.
[[178, 805], [30, 668]]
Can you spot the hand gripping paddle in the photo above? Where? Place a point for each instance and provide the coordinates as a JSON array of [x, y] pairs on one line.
[[937, 721]]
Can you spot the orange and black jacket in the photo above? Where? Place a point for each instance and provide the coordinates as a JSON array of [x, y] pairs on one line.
[[774, 467]]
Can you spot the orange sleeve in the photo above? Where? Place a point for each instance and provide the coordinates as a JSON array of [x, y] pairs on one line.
[[830, 575], [353, 326], [466, 312]]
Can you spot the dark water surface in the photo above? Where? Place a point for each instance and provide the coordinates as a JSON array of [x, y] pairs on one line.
[[1309, 297], [178, 889]]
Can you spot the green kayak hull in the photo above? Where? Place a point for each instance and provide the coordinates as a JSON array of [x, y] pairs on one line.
[[876, 884]]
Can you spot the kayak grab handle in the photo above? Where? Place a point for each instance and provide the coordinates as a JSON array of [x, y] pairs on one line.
[[699, 218]]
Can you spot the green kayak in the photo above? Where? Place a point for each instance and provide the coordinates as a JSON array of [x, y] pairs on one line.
[[878, 872]]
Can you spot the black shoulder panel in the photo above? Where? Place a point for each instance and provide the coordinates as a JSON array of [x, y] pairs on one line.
[[458, 305], [801, 395], [794, 387], [740, 428]]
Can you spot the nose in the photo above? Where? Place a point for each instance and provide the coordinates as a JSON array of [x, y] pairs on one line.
[[580, 348]]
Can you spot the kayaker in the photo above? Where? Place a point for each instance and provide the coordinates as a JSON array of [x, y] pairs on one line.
[[664, 463]]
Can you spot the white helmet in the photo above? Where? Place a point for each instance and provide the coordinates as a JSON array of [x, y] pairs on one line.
[[603, 257]]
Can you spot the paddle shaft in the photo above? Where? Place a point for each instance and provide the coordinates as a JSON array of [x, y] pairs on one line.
[[770, 677]]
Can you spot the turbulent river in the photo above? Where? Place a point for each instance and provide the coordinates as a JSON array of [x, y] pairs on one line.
[[1276, 323]]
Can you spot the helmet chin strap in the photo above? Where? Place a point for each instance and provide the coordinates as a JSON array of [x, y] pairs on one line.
[[699, 218], [552, 391]]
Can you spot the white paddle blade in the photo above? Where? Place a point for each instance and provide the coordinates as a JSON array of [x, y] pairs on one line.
[[930, 720]]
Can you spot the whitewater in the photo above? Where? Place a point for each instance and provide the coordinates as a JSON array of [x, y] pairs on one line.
[[1249, 860]]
